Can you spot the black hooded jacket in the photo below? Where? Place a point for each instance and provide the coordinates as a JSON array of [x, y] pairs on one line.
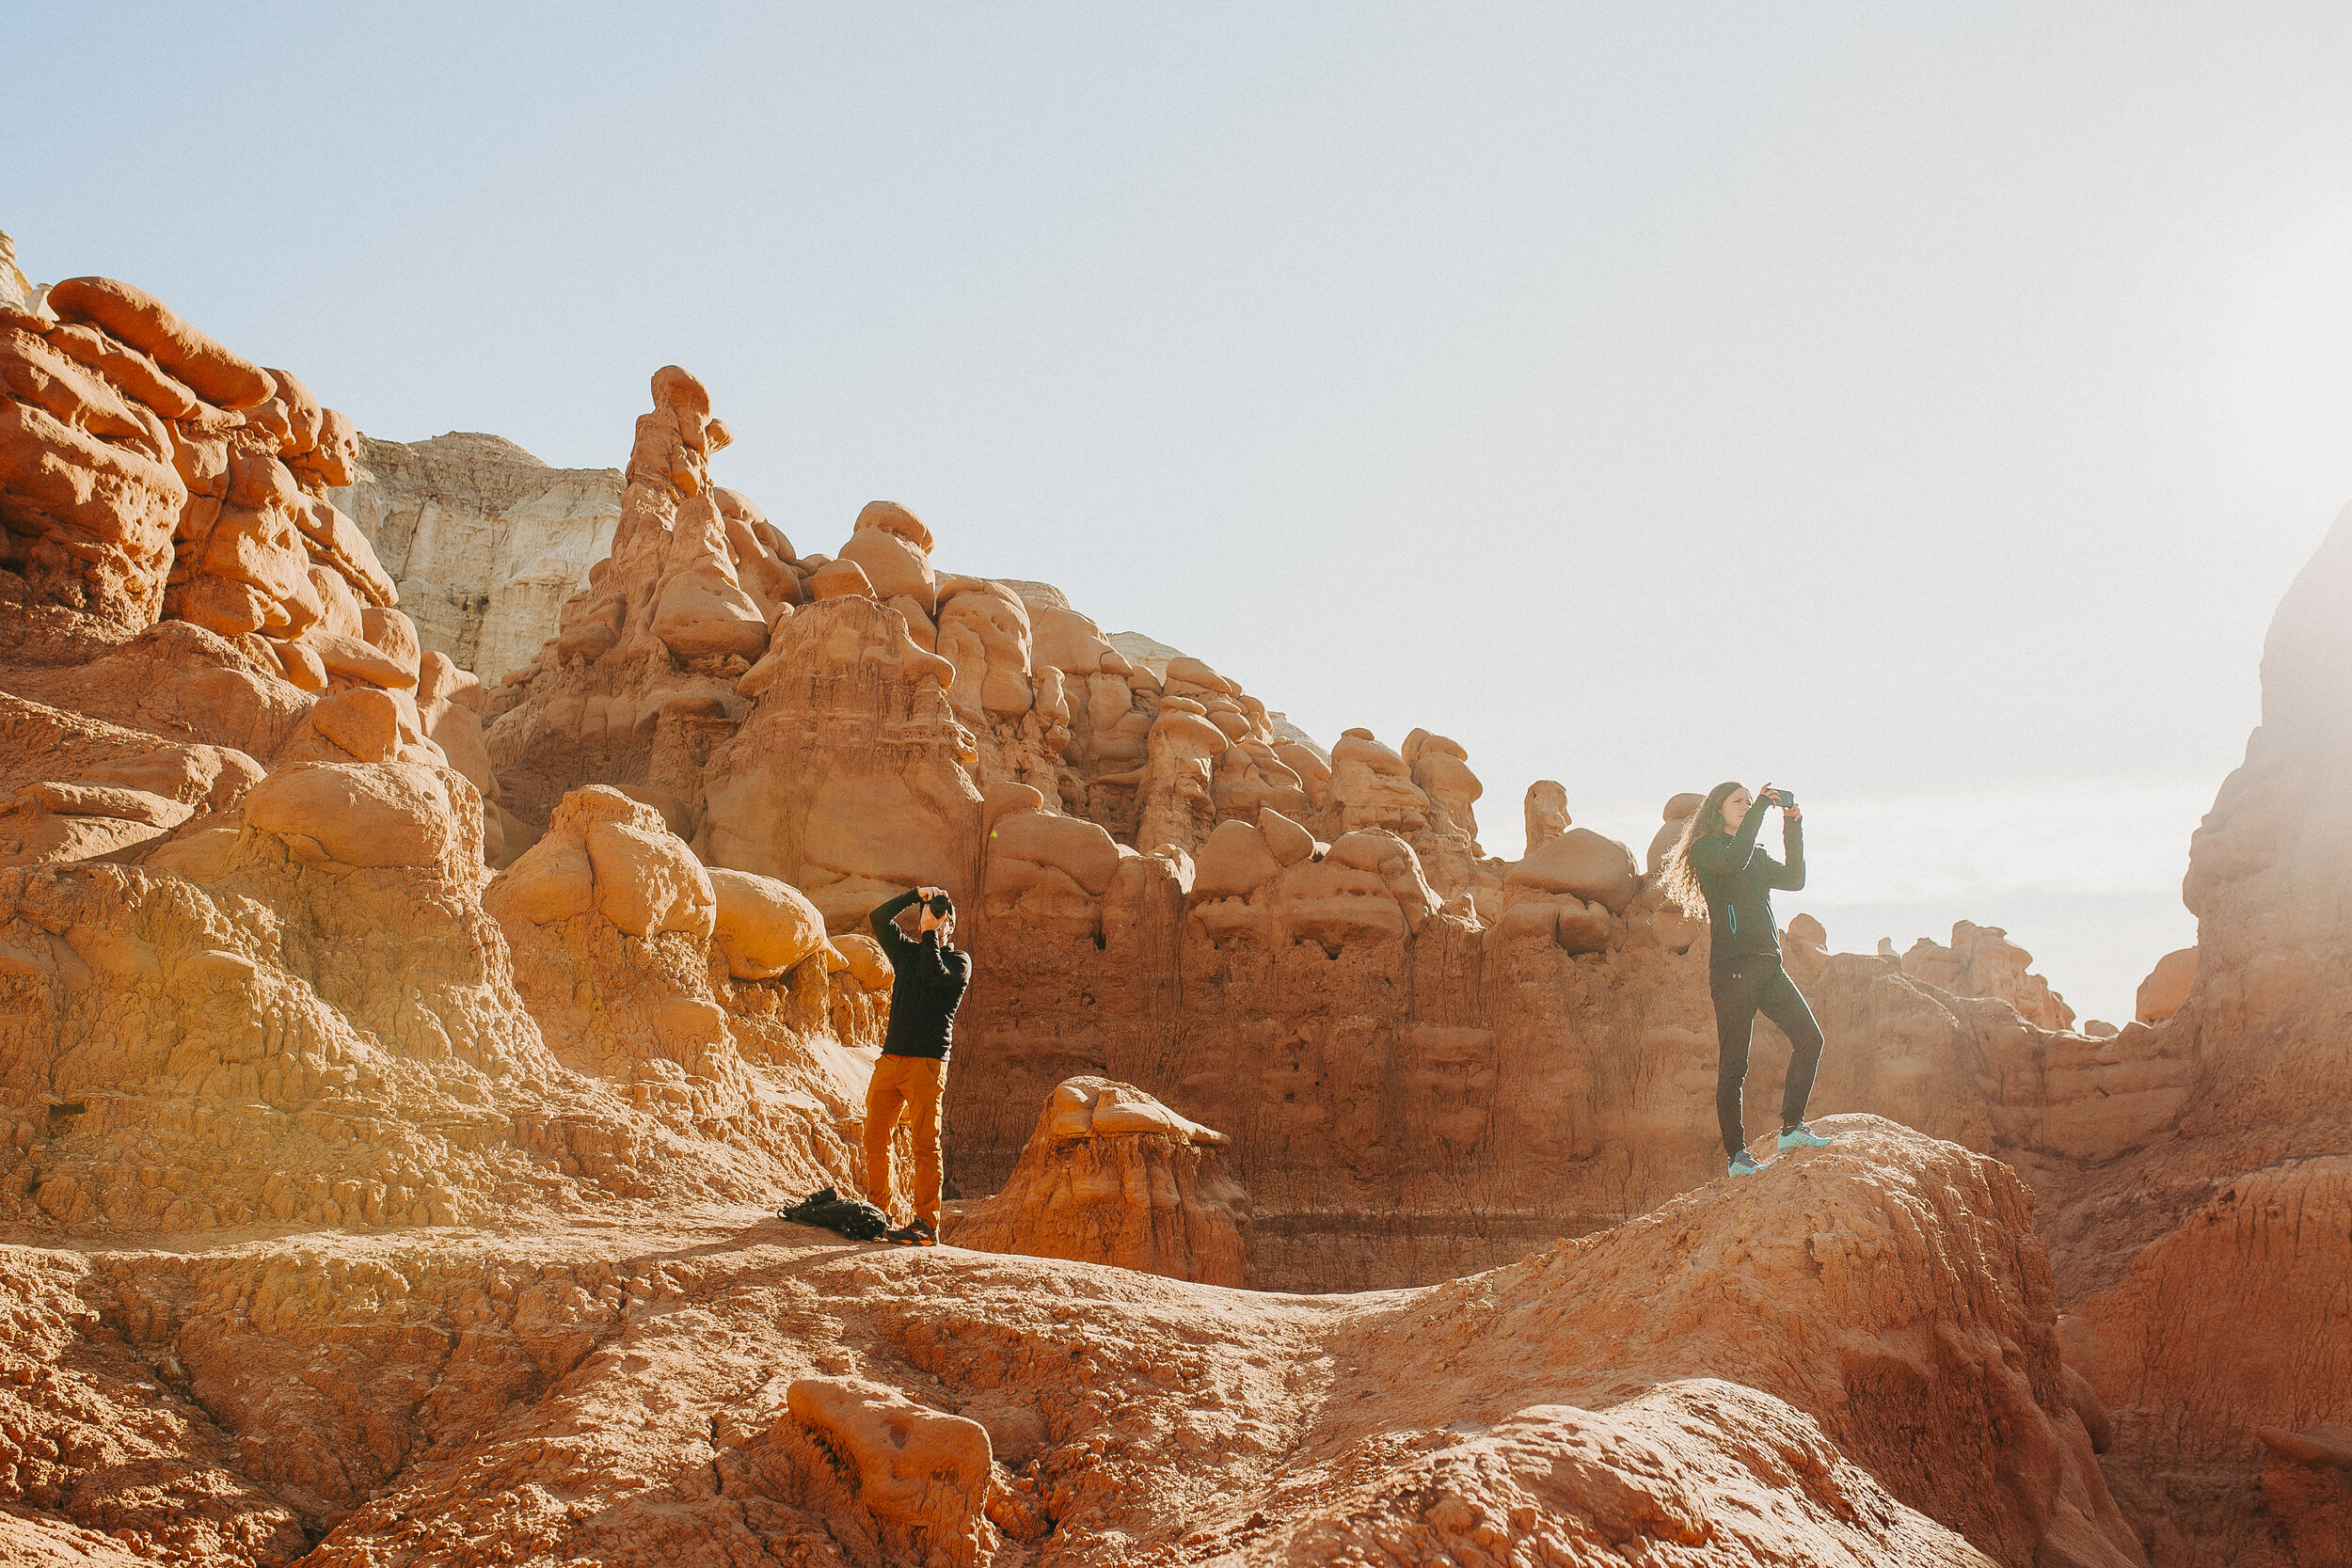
[[1737, 878], [928, 981]]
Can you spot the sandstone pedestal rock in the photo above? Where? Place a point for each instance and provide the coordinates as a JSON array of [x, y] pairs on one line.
[[1112, 1176]]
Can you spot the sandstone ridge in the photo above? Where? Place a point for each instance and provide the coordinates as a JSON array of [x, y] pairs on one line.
[[1851, 1358]]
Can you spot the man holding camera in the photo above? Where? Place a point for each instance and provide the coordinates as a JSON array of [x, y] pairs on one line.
[[928, 980]]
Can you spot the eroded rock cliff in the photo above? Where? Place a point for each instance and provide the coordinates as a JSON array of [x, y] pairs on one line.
[[484, 541], [399, 1070]]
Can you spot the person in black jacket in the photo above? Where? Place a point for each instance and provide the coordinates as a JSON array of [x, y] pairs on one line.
[[1717, 868], [928, 981]]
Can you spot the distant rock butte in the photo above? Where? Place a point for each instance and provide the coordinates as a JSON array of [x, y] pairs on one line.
[[394, 1070]]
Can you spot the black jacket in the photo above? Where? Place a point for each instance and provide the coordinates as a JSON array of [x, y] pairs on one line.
[[1737, 878], [930, 977]]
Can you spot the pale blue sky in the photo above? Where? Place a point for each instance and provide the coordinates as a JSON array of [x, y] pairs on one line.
[[1922, 405]]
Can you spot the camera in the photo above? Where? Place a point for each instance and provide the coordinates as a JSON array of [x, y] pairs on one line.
[[1783, 798]]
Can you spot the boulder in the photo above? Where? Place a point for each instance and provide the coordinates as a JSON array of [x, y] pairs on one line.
[[983, 630], [1679, 809], [893, 548], [605, 851], [2167, 987], [921, 1476], [764, 926], [393, 814], [1236, 861], [1578, 860], [221, 378], [647, 881], [1373, 788], [863, 960]]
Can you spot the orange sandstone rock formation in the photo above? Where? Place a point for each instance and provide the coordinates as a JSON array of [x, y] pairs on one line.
[[1112, 1176], [2202, 1270], [2167, 987], [247, 973], [1851, 1358], [1982, 961], [373, 1204]]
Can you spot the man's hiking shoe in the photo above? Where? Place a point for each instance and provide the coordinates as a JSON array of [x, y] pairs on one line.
[[914, 1233], [1802, 1136], [1743, 1164]]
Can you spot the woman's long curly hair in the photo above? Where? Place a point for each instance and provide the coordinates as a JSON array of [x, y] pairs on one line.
[[1677, 875]]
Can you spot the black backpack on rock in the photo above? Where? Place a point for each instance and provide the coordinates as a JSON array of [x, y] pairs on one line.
[[827, 1210]]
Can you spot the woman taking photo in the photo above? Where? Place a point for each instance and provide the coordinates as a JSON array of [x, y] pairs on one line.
[[1716, 870]]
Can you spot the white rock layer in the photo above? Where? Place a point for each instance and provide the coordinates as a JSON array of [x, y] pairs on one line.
[[486, 540]]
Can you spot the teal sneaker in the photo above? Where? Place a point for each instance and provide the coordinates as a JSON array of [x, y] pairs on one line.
[[1802, 1136], [1743, 1164]]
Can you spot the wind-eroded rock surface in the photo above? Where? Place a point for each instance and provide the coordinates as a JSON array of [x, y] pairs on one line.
[[2206, 1271], [484, 541], [1851, 1358], [396, 1072], [1112, 1176]]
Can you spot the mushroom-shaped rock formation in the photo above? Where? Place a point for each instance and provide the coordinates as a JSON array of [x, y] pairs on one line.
[[1250, 776], [1113, 1176], [1368, 885], [1175, 806], [1571, 887], [984, 632], [639, 681], [1372, 787], [1441, 768], [1578, 860], [1546, 812], [802, 793], [1273, 883], [893, 549], [672, 532], [606, 852], [673, 982], [1448, 841], [1046, 872]]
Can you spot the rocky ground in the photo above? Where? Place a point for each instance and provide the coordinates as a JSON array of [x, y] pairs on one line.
[[1850, 1359]]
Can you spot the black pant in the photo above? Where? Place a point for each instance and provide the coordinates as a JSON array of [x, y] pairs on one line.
[[1742, 988]]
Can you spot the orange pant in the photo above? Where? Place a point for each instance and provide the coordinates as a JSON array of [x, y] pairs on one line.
[[903, 1083]]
